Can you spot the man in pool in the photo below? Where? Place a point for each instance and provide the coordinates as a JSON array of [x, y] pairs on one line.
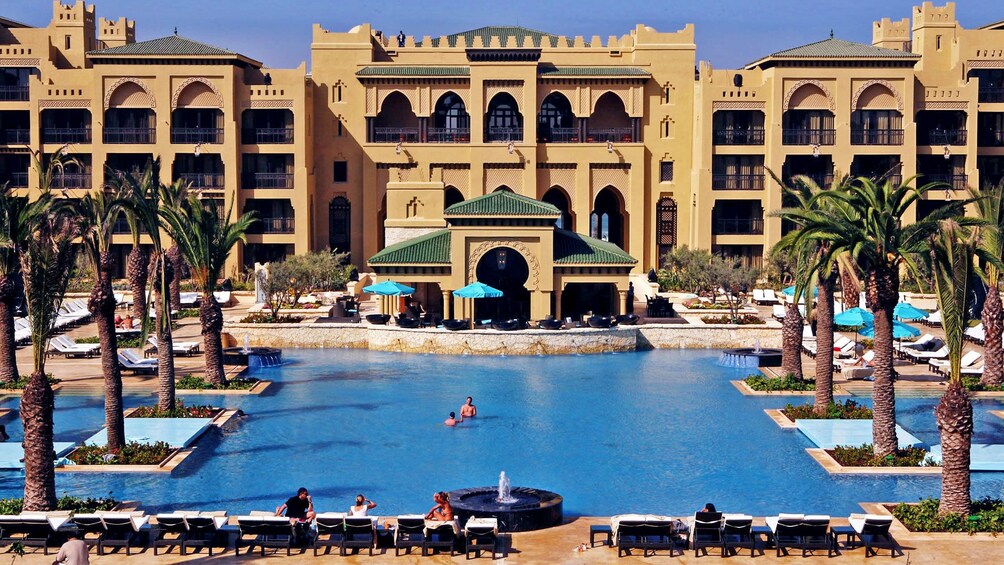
[[299, 508], [452, 420], [468, 410]]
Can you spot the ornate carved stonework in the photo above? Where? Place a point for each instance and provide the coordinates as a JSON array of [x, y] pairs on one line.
[[268, 104], [42, 104], [861, 89], [817, 84], [205, 81], [532, 282], [12, 62], [111, 90], [737, 105]]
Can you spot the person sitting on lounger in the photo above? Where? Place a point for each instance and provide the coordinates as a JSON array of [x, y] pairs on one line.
[[709, 507], [452, 420], [468, 410], [442, 511], [362, 506], [299, 508]]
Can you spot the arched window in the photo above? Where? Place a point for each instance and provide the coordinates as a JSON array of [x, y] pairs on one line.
[[451, 112], [503, 122], [339, 222], [607, 221], [665, 225], [452, 196], [556, 123], [556, 197], [503, 188]]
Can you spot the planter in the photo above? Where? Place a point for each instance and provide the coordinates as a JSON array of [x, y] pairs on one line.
[[601, 321], [509, 325], [550, 324], [378, 319], [457, 325], [407, 322], [627, 319]]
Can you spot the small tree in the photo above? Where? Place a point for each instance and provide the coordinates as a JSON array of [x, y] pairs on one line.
[[277, 286], [686, 269], [735, 278]]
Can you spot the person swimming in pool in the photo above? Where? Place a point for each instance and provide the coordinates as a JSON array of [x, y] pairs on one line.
[[468, 410], [452, 420]]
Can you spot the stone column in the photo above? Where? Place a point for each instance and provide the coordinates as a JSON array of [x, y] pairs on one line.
[[557, 301], [621, 302], [447, 305]]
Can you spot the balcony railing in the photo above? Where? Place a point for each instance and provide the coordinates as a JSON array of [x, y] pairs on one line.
[[558, 135], [992, 137], [739, 136], [943, 137], [66, 135], [449, 135], [273, 225], [13, 93], [738, 226], [17, 180], [805, 136], [957, 182], [736, 182], [203, 180], [267, 180], [395, 135], [16, 136], [504, 135], [822, 180], [130, 135], [876, 137], [624, 135], [71, 180], [261, 136], [988, 94], [196, 135]]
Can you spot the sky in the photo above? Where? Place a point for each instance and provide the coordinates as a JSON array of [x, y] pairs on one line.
[[730, 33]]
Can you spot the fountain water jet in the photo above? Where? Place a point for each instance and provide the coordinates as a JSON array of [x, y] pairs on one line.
[[517, 509]]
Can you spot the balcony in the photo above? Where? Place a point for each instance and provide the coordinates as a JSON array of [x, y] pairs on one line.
[[737, 182], [449, 135], [623, 135], [196, 135], [71, 180], [803, 136], [737, 226], [16, 136], [66, 135], [943, 137], [955, 181], [267, 180], [992, 138], [129, 135], [876, 137], [560, 135], [395, 135], [989, 94], [17, 180], [15, 93], [210, 181], [273, 225], [504, 135], [265, 136], [822, 180], [742, 136]]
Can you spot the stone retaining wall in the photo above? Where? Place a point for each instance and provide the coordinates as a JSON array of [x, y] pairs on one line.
[[493, 342]]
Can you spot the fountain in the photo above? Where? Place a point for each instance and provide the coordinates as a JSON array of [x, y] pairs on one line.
[[252, 357], [750, 357], [517, 509]]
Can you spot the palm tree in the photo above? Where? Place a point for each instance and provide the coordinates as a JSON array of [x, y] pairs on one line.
[[862, 222], [990, 209], [47, 257], [138, 267], [96, 212], [951, 254], [14, 216], [791, 328], [147, 192], [206, 240]]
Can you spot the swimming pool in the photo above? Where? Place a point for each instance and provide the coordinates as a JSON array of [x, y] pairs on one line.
[[660, 431]]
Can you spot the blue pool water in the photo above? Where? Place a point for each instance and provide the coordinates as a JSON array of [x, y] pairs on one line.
[[660, 431]]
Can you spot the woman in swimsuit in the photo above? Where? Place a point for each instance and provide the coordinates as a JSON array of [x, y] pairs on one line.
[[442, 511]]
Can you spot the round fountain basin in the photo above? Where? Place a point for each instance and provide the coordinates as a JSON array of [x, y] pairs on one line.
[[252, 357], [533, 509], [750, 357]]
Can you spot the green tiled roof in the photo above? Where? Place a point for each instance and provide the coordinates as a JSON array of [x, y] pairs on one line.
[[502, 203], [503, 33], [433, 247], [836, 49], [170, 45], [571, 248], [553, 71], [414, 71]]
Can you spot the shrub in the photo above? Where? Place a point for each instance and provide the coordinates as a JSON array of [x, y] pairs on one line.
[[23, 381], [741, 320], [132, 454], [987, 516], [127, 341], [180, 411], [972, 383], [848, 410], [863, 456], [10, 506], [267, 318], [191, 382], [188, 313], [789, 382]]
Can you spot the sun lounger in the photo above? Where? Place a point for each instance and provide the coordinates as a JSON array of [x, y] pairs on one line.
[[121, 530], [262, 532], [795, 531], [858, 373], [69, 348], [778, 312], [926, 356], [737, 533], [942, 366], [921, 343], [771, 297], [868, 357], [973, 371], [171, 531], [188, 299], [410, 533], [129, 361], [840, 341], [186, 348], [646, 535], [330, 532], [873, 531], [480, 534], [440, 536], [976, 334], [934, 319], [31, 529], [222, 297], [360, 533], [187, 530], [758, 296], [707, 532]]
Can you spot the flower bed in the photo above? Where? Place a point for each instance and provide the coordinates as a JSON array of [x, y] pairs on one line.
[[848, 410], [23, 381], [133, 453], [863, 456], [190, 382], [188, 313], [266, 318], [180, 411], [762, 383], [987, 516], [9, 506], [741, 320]]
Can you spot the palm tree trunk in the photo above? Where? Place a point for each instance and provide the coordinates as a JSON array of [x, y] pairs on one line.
[[102, 306], [177, 264], [37, 406], [883, 292], [138, 275], [211, 317], [8, 349], [824, 345], [993, 356], [955, 421], [165, 352], [791, 335]]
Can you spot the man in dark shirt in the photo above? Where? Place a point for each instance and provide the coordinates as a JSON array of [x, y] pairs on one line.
[[299, 508]]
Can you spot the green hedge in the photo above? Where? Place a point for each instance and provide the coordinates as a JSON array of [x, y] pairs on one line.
[[791, 383], [10, 506], [987, 516], [849, 410], [863, 456]]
